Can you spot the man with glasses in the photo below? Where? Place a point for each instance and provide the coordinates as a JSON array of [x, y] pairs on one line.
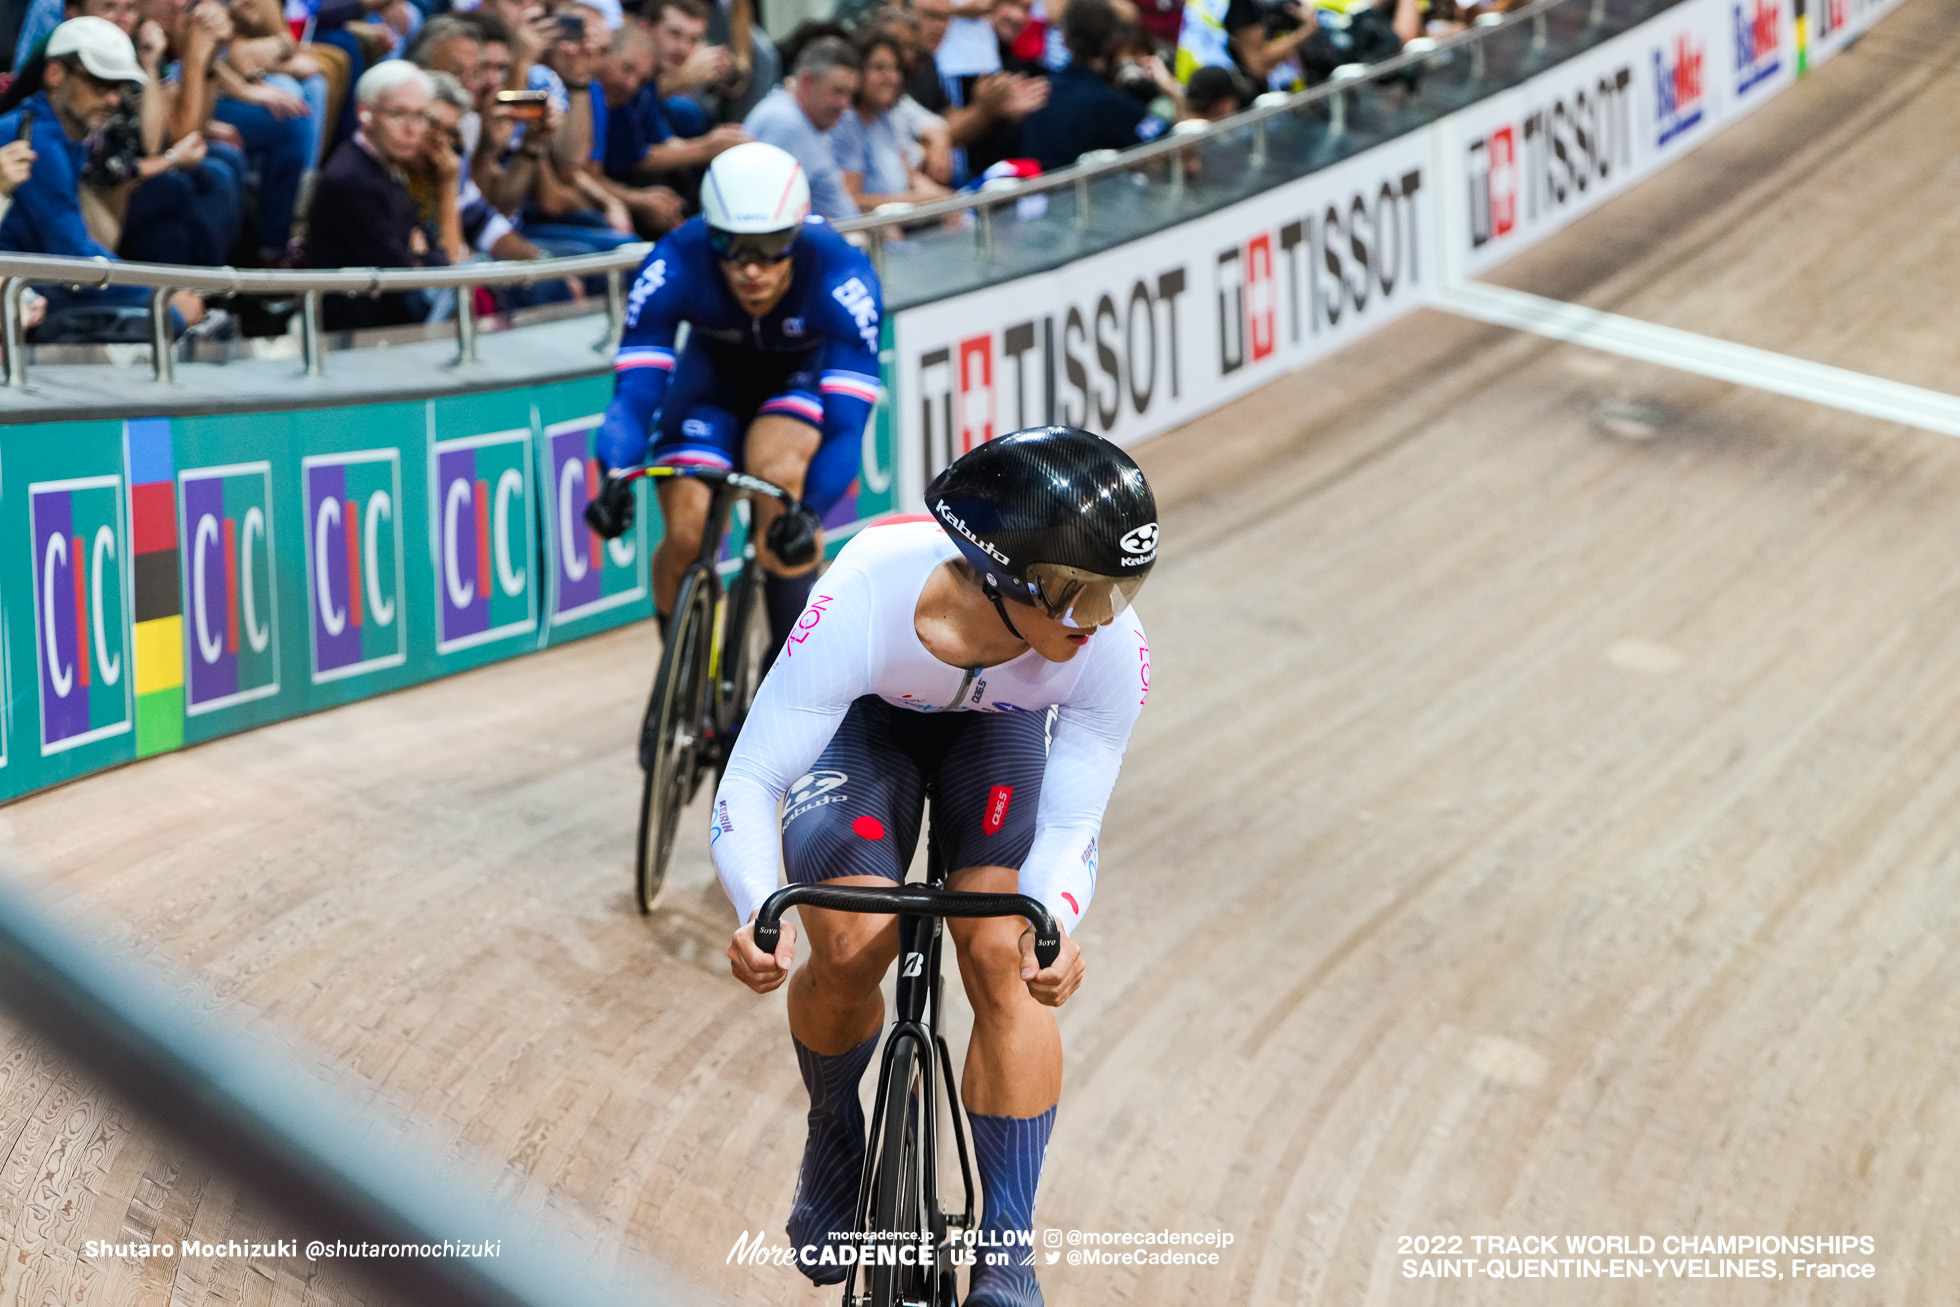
[[363, 215], [779, 374], [798, 116], [89, 63]]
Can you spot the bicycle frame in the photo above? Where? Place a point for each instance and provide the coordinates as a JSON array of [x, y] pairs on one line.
[[725, 488], [701, 692]]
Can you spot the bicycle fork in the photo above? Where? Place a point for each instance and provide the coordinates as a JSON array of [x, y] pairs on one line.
[[920, 991]]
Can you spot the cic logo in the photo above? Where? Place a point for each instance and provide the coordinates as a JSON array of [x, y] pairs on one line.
[[354, 562], [480, 509], [81, 626], [231, 650], [589, 574]]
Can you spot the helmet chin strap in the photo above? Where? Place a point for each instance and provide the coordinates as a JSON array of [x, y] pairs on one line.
[[993, 593]]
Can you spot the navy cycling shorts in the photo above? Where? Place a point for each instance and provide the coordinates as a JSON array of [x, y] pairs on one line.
[[858, 810], [717, 393]]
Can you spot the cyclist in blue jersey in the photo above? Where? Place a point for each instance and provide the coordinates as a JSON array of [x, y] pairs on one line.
[[778, 376]]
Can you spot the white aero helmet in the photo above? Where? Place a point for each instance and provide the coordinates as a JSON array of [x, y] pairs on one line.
[[754, 199]]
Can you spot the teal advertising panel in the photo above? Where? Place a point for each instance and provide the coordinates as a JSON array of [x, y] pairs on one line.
[[166, 581]]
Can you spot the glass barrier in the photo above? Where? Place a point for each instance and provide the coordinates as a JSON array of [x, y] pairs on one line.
[[1321, 127]]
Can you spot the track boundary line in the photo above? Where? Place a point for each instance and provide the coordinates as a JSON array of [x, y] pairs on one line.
[[1707, 356]]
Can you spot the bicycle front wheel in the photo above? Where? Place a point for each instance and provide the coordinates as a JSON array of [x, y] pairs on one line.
[[671, 740], [899, 1225], [745, 658]]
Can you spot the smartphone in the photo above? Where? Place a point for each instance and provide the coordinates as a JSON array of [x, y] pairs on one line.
[[525, 106], [571, 27], [26, 130]]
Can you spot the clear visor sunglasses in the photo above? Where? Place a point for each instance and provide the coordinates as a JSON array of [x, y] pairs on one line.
[[1077, 598]]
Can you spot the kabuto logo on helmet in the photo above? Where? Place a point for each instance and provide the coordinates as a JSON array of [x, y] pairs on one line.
[[953, 521], [1143, 540]]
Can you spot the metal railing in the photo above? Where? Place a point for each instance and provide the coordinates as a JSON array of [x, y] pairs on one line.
[[303, 1145], [17, 272], [164, 280], [1333, 93]]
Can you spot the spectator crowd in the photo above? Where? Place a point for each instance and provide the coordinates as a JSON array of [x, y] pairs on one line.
[[415, 133]]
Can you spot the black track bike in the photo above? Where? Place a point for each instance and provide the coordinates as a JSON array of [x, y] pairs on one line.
[[905, 1239], [717, 651]]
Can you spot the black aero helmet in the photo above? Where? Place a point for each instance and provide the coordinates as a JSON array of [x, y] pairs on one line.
[[1054, 517]]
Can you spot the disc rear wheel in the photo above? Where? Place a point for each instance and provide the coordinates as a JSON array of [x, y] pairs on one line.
[[672, 740]]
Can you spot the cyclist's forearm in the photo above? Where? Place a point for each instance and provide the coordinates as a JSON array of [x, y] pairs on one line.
[[1085, 756], [747, 867], [1060, 872], [642, 383], [1060, 869], [849, 396], [833, 467]]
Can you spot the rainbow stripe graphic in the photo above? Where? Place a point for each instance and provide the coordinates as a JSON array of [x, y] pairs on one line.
[[158, 603]]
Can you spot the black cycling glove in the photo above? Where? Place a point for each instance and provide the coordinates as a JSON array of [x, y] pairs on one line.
[[793, 536], [612, 511]]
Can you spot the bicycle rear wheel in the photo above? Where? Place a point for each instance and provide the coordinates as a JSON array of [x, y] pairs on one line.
[[898, 1205], [671, 739]]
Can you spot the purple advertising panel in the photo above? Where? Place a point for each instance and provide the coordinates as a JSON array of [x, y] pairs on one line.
[[588, 574], [353, 562]]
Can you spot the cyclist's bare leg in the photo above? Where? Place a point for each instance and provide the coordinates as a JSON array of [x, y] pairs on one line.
[[834, 999], [1014, 1062], [779, 449], [684, 508]]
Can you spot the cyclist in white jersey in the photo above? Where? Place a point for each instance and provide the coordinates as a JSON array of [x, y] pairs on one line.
[[989, 655]]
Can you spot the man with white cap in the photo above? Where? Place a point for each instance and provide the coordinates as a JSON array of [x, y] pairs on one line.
[[89, 61]]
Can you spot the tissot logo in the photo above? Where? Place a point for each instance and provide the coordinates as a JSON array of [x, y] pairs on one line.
[[1143, 540], [953, 521]]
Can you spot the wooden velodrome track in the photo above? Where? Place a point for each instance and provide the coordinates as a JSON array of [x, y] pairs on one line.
[[1534, 829]]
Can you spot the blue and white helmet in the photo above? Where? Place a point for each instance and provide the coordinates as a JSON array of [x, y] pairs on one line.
[[755, 187]]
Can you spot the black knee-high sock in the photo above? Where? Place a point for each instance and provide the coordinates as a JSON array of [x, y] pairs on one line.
[[783, 597]]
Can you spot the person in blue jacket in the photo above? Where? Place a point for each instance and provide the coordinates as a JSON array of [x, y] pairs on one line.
[[89, 62], [778, 376]]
